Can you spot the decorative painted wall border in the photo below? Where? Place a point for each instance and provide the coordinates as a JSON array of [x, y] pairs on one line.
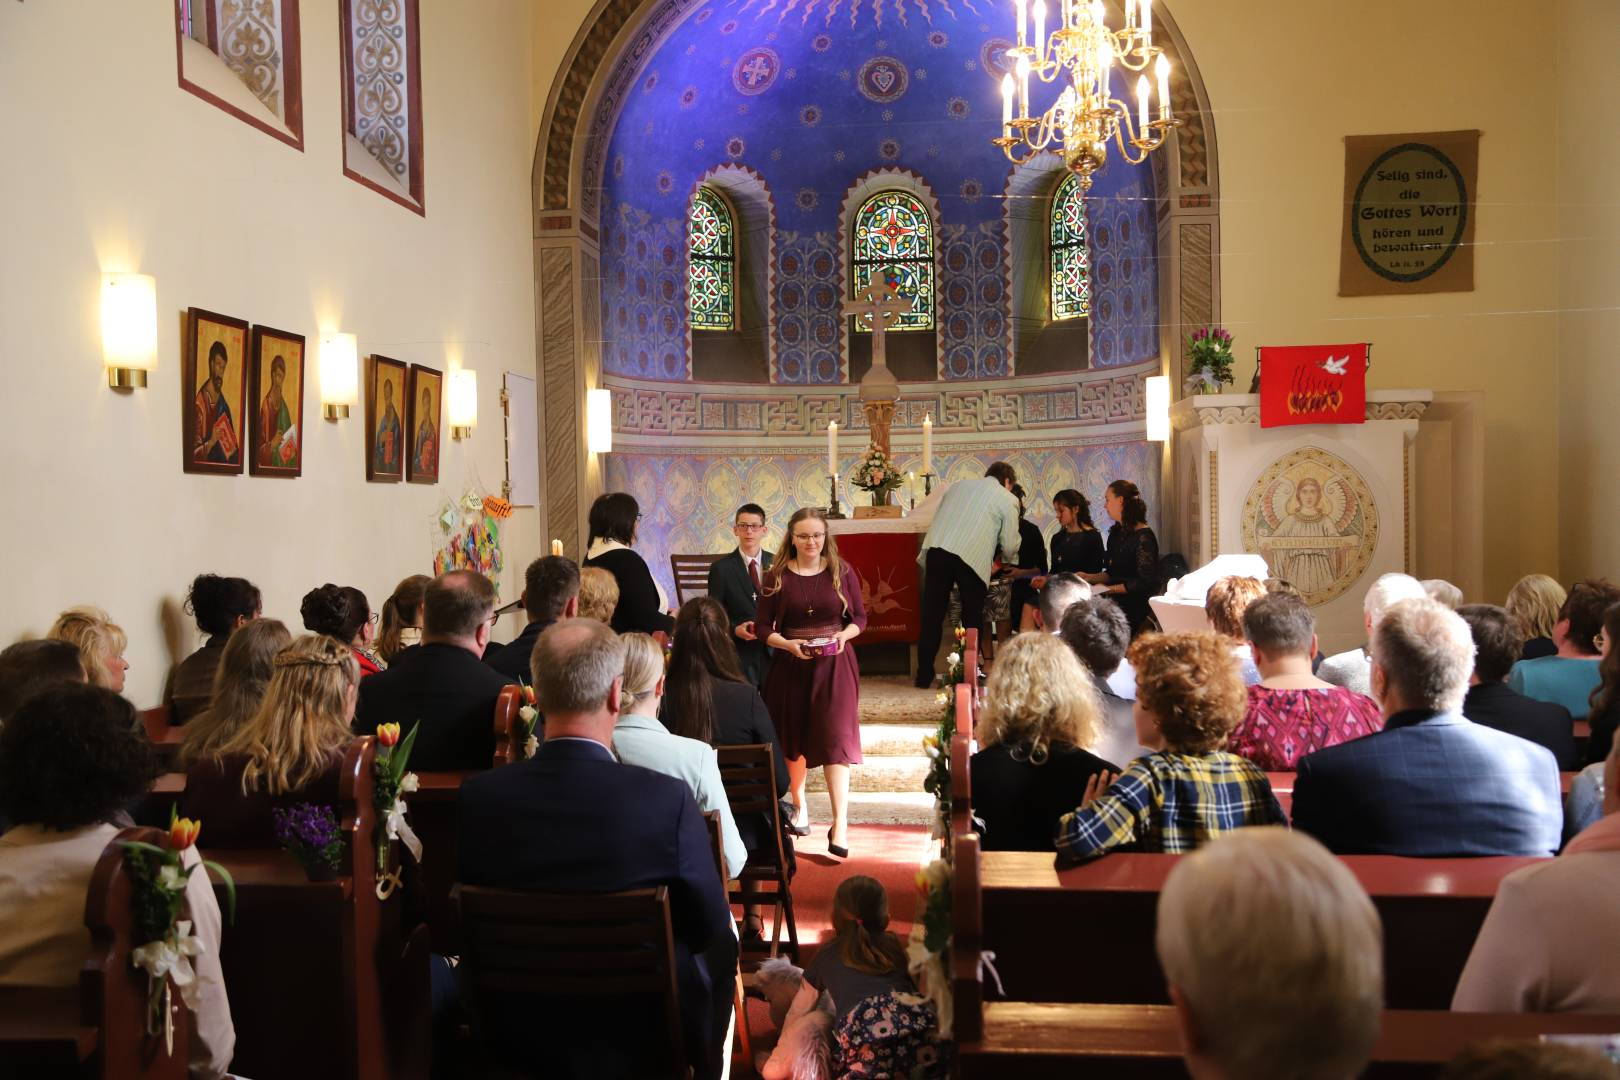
[[1206, 415]]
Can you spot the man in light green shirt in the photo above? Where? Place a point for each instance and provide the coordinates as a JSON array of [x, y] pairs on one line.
[[974, 518]]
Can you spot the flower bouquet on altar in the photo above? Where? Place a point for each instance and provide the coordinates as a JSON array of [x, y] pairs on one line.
[[392, 781], [1209, 360], [878, 475], [159, 876]]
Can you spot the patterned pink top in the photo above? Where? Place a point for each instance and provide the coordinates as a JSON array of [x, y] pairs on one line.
[[1282, 726]]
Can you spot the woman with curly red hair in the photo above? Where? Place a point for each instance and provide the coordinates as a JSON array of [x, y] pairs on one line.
[[1189, 697]]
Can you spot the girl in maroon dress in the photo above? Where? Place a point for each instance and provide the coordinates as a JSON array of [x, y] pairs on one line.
[[809, 610]]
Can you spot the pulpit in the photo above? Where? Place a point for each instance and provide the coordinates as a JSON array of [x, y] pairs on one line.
[[1329, 506]]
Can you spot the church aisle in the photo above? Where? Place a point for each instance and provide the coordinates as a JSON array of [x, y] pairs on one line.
[[887, 788]]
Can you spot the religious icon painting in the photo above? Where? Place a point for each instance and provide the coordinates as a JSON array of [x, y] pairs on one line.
[[213, 387], [276, 403], [422, 447], [386, 390]]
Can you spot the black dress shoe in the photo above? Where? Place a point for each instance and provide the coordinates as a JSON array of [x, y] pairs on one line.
[[835, 850]]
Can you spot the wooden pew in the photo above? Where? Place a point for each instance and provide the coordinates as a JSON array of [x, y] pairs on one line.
[[164, 736], [325, 980], [1046, 925], [508, 747], [1282, 785], [97, 1028], [433, 816]]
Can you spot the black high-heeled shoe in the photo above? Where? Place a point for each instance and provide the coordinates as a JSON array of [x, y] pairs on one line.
[[792, 826], [835, 850]]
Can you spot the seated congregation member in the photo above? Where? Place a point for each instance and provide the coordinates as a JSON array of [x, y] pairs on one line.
[[1190, 790], [1040, 713], [1498, 643], [598, 594], [240, 683], [706, 697], [642, 604], [1443, 592], [442, 684], [289, 751], [400, 627], [1224, 606], [1097, 632], [100, 641], [639, 739], [1547, 944], [574, 819], [1569, 677], [1504, 1059], [70, 760], [221, 606], [1535, 601], [1077, 546], [1274, 956], [862, 959], [550, 592], [1605, 699], [1291, 712], [30, 666], [1131, 576], [735, 580], [1352, 669], [341, 611], [1431, 784], [1060, 592]]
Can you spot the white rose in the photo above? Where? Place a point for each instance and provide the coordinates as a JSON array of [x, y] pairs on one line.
[[954, 659], [408, 783]]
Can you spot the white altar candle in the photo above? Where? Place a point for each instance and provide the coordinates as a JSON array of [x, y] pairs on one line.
[[928, 444], [556, 547], [832, 447]]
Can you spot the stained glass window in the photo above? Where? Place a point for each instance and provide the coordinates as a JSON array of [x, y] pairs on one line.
[[894, 240], [1071, 267], [711, 263]]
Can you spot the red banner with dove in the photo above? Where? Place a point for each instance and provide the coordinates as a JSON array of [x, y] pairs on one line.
[[1313, 384]]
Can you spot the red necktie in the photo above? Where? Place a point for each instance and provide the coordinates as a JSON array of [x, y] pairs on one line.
[[753, 574]]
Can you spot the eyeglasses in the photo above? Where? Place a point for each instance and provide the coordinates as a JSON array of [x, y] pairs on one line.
[[805, 538], [373, 617], [746, 527]]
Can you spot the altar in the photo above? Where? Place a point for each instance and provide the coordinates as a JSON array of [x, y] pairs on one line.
[[884, 553], [1330, 507]]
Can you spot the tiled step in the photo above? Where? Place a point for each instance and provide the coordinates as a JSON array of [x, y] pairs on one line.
[[868, 808], [893, 740], [896, 775]]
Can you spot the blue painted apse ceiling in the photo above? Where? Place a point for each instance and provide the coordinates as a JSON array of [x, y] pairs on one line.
[[813, 95]]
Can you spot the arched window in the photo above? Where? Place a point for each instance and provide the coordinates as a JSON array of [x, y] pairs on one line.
[[894, 239], [1071, 267], [711, 262]]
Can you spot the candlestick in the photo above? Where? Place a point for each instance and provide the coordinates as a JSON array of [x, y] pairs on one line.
[[928, 484], [832, 449], [928, 444], [556, 547], [833, 508]]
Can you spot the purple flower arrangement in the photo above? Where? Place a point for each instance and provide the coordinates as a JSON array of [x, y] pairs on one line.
[[1209, 359], [310, 833]]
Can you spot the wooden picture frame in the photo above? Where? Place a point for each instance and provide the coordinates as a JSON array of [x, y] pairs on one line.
[[212, 402], [276, 403], [387, 387], [426, 432]]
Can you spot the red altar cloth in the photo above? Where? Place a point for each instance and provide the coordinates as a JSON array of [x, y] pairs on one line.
[[887, 565]]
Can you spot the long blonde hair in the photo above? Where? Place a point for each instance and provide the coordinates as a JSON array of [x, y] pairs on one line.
[[1038, 693], [860, 919], [785, 554], [98, 639], [1535, 601], [303, 722], [643, 667], [240, 683]]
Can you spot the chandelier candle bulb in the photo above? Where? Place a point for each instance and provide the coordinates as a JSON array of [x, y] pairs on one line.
[[1006, 102], [1147, 22], [1162, 70], [1023, 85], [928, 444], [1040, 29], [1130, 14], [1141, 106], [832, 447], [1105, 60], [1021, 14]]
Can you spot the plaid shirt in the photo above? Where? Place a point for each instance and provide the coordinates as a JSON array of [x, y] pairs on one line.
[[1169, 802]]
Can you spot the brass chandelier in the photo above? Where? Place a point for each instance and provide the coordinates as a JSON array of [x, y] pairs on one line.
[[1085, 117]]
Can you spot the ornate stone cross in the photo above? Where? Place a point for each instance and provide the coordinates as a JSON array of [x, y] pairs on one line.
[[877, 306]]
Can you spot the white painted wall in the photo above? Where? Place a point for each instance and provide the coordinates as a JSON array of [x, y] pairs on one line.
[[109, 165]]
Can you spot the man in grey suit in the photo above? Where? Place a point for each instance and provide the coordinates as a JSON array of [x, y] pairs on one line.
[[735, 579]]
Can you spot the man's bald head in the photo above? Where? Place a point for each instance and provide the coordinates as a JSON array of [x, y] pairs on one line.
[[578, 666]]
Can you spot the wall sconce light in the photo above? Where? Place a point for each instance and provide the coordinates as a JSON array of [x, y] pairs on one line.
[[599, 420], [461, 401], [128, 328], [1158, 408], [340, 374]]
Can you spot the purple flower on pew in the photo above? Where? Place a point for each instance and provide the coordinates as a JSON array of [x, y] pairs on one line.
[[310, 833]]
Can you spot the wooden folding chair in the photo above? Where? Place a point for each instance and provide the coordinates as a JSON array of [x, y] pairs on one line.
[[739, 1003], [597, 946], [691, 575], [749, 776]]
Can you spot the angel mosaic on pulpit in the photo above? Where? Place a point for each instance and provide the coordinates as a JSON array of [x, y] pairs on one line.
[[1314, 520]]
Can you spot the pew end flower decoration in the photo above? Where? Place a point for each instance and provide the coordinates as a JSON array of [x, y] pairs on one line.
[[391, 782], [937, 745], [928, 947], [528, 721], [160, 875]]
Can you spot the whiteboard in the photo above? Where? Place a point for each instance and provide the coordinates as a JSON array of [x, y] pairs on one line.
[[522, 441]]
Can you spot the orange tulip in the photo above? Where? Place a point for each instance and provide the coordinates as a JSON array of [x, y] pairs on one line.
[[961, 634], [388, 734], [183, 833], [528, 694]]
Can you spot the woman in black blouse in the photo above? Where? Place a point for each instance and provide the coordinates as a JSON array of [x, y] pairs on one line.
[[641, 607], [1132, 574], [1077, 546]]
